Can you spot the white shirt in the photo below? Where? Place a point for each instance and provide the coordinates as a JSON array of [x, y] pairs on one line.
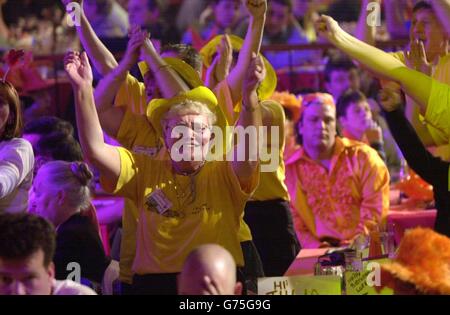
[[69, 287], [16, 174]]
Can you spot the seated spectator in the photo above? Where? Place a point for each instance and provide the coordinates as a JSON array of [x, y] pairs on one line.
[[27, 245], [355, 119], [338, 187], [16, 154], [224, 19], [52, 139], [61, 192], [107, 17], [281, 28], [209, 270], [341, 74]]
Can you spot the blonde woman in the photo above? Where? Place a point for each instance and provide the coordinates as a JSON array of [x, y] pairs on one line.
[[61, 193]]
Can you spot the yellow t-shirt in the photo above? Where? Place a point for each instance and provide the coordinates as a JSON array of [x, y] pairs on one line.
[[128, 242], [272, 184], [132, 95], [137, 134], [434, 123], [165, 240]]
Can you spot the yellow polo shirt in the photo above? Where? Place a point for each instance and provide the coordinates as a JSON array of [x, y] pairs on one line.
[[165, 239]]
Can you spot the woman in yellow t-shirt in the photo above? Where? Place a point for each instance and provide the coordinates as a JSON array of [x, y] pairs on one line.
[[185, 201]]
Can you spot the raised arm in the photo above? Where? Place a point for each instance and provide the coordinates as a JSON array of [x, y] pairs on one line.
[[365, 28], [430, 168], [250, 116], [104, 157], [220, 67], [169, 82], [252, 44], [111, 116], [101, 57], [414, 83]]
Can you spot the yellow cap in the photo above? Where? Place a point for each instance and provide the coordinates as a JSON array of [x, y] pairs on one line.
[[268, 85]]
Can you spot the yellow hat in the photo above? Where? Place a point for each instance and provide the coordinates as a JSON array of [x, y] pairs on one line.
[[422, 261], [269, 83], [187, 73], [159, 107]]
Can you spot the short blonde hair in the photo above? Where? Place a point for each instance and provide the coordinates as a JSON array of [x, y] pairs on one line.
[[189, 107]]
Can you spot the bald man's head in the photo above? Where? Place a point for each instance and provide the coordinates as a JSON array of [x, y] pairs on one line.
[[209, 270]]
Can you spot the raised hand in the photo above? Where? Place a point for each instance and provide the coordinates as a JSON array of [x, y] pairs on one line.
[[137, 39], [416, 57], [373, 132], [327, 27], [390, 99], [78, 69], [256, 8], [255, 74], [225, 57]]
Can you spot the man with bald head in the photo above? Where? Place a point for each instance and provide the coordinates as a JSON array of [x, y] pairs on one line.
[[209, 270]]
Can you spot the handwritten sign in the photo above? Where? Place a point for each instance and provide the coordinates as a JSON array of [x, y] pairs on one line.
[[365, 282], [300, 285]]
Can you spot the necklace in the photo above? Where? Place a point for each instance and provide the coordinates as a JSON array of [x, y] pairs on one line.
[[187, 195]]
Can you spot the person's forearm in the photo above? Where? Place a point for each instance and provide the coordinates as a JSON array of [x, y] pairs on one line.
[[106, 90], [364, 31], [252, 43], [414, 83], [100, 56], [247, 153], [419, 159], [442, 10], [169, 82], [89, 129]]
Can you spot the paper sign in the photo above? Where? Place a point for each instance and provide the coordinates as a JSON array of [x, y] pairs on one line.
[[366, 281], [300, 285]]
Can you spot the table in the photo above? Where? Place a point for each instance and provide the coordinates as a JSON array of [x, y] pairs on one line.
[[407, 219], [401, 220]]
